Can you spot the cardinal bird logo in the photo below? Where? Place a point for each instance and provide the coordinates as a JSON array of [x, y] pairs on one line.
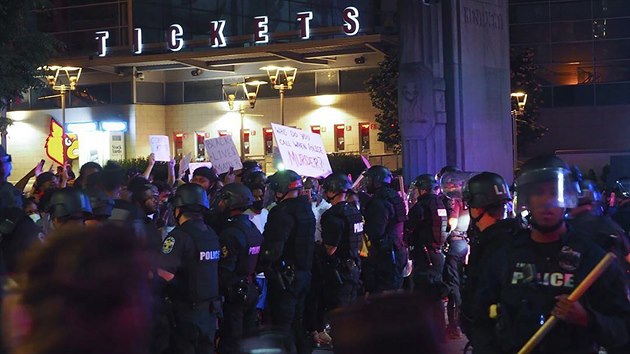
[[61, 147]]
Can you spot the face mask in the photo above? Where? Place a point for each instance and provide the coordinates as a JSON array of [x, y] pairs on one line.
[[35, 217], [258, 205]]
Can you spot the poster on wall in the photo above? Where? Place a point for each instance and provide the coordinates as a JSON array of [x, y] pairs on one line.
[[61, 147], [302, 152], [160, 147], [223, 153], [116, 146]]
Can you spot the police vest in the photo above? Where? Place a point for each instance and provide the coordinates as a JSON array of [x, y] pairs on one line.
[[394, 228], [250, 240], [431, 231], [349, 245], [299, 248], [202, 280]]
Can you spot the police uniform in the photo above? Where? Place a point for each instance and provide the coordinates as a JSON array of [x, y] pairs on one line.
[[286, 258], [523, 279], [483, 246], [425, 230], [240, 246], [342, 227], [191, 252], [455, 259], [385, 215]]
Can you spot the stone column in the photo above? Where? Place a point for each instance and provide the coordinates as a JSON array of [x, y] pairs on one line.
[[421, 87]]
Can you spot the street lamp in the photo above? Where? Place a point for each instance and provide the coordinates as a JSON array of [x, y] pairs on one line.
[[251, 94], [62, 79], [518, 100], [282, 78]]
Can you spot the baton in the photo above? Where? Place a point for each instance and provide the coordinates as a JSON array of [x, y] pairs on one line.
[[577, 293]]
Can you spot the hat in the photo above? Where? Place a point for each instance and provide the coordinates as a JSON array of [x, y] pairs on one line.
[[209, 173]]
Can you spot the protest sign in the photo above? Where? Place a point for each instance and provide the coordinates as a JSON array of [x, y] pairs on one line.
[[160, 147], [302, 152], [223, 153]]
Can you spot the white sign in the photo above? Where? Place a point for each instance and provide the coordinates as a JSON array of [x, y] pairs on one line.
[[116, 146], [302, 152], [160, 147], [195, 165], [184, 163], [223, 153]]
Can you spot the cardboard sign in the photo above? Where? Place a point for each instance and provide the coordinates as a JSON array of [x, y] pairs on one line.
[[184, 163], [223, 153], [302, 152], [160, 147], [195, 165]]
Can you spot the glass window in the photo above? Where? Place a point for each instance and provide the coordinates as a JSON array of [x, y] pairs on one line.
[[150, 92], [304, 85], [572, 52], [542, 52], [529, 13], [327, 82], [570, 10], [614, 28], [174, 93], [547, 97], [611, 8], [574, 95], [532, 33], [201, 91], [91, 95], [354, 80], [612, 94], [613, 49], [121, 93], [613, 71], [571, 31]]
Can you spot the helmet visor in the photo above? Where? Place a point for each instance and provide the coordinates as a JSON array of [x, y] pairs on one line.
[[547, 187], [452, 183]]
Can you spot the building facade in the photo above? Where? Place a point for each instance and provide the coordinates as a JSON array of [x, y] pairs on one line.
[[583, 50]]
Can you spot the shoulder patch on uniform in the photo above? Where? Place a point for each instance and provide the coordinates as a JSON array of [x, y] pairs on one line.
[[168, 244], [224, 252]]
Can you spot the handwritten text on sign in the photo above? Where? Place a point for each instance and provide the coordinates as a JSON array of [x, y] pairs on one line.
[[302, 152], [223, 153]]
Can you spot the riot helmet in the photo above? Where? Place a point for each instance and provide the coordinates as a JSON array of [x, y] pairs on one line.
[[233, 196], [376, 177], [191, 196], [69, 203], [548, 175], [425, 182], [285, 181], [337, 183], [486, 189], [102, 205]]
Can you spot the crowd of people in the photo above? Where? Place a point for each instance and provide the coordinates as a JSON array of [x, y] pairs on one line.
[[126, 261]]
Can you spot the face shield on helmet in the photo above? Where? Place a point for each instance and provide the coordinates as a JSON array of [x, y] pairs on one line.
[[546, 188], [452, 183]]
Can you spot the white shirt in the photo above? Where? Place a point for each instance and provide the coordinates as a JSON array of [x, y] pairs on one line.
[[258, 219], [318, 210]]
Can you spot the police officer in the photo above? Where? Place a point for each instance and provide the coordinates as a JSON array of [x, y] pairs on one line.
[[287, 257], [69, 207], [240, 246], [487, 195], [425, 231], [384, 217], [588, 218], [530, 278], [190, 258], [342, 232], [102, 206]]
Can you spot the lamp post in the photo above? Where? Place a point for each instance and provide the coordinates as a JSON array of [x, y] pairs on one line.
[[251, 95], [62, 79], [518, 100], [281, 78]]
